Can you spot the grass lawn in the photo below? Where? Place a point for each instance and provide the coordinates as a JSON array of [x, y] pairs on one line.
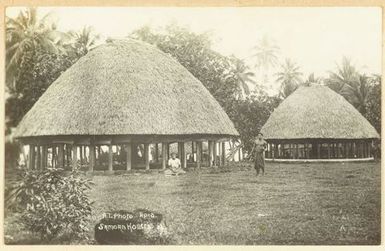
[[332, 203]]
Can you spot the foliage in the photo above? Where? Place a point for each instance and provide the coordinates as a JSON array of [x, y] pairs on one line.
[[250, 115], [265, 54], [373, 103], [37, 70], [345, 74], [83, 41], [36, 54], [357, 92], [11, 154], [52, 203], [289, 77], [194, 52], [27, 33], [241, 74], [363, 92]]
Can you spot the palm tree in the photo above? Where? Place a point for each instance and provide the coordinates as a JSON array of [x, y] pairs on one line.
[[353, 86], [346, 74], [289, 78], [357, 92], [312, 79], [266, 56], [241, 73], [84, 40], [27, 34]]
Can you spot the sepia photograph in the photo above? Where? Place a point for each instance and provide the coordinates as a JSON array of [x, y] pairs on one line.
[[192, 125]]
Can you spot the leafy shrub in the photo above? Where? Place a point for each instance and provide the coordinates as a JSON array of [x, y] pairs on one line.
[[52, 203]]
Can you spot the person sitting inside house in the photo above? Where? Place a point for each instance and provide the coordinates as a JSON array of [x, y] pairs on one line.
[[174, 166]]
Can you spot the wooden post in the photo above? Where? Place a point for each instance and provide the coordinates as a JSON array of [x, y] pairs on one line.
[[361, 149], [180, 151], [183, 159], [210, 145], [338, 149], [44, 157], [219, 154], [168, 151], [199, 151], [99, 153], [328, 150], [346, 145], [156, 157], [290, 151], [60, 158], [215, 153], [370, 149], [80, 154], [319, 150], [67, 155], [38, 157], [223, 153], [276, 154], [350, 151], [74, 157], [164, 155], [296, 151], [353, 146], [53, 149], [193, 150], [110, 158], [31, 157], [92, 157], [147, 155], [128, 156], [331, 150], [84, 155]]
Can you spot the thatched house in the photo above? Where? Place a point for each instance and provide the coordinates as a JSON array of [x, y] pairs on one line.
[[315, 122], [123, 93]]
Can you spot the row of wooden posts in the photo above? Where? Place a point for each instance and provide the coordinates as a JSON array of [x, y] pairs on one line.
[[320, 150], [66, 155]]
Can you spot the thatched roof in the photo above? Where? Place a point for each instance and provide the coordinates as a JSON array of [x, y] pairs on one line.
[[316, 111], [126, 87]]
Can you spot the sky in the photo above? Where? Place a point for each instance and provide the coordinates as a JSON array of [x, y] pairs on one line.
[[315, 38]]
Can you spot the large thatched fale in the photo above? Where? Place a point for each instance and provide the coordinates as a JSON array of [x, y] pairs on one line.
[[317, 123], [124, 92]]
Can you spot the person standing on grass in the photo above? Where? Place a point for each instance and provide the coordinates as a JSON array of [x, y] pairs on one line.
[[259, 153], [174, 166]]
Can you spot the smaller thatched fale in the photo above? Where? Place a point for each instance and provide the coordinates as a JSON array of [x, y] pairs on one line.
[[315, 122]]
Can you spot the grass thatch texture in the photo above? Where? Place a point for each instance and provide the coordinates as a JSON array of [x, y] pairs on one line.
[[126, 87], [330, 203], [316, 111]]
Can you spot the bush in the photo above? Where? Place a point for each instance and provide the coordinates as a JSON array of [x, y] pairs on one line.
[[52, 203]]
